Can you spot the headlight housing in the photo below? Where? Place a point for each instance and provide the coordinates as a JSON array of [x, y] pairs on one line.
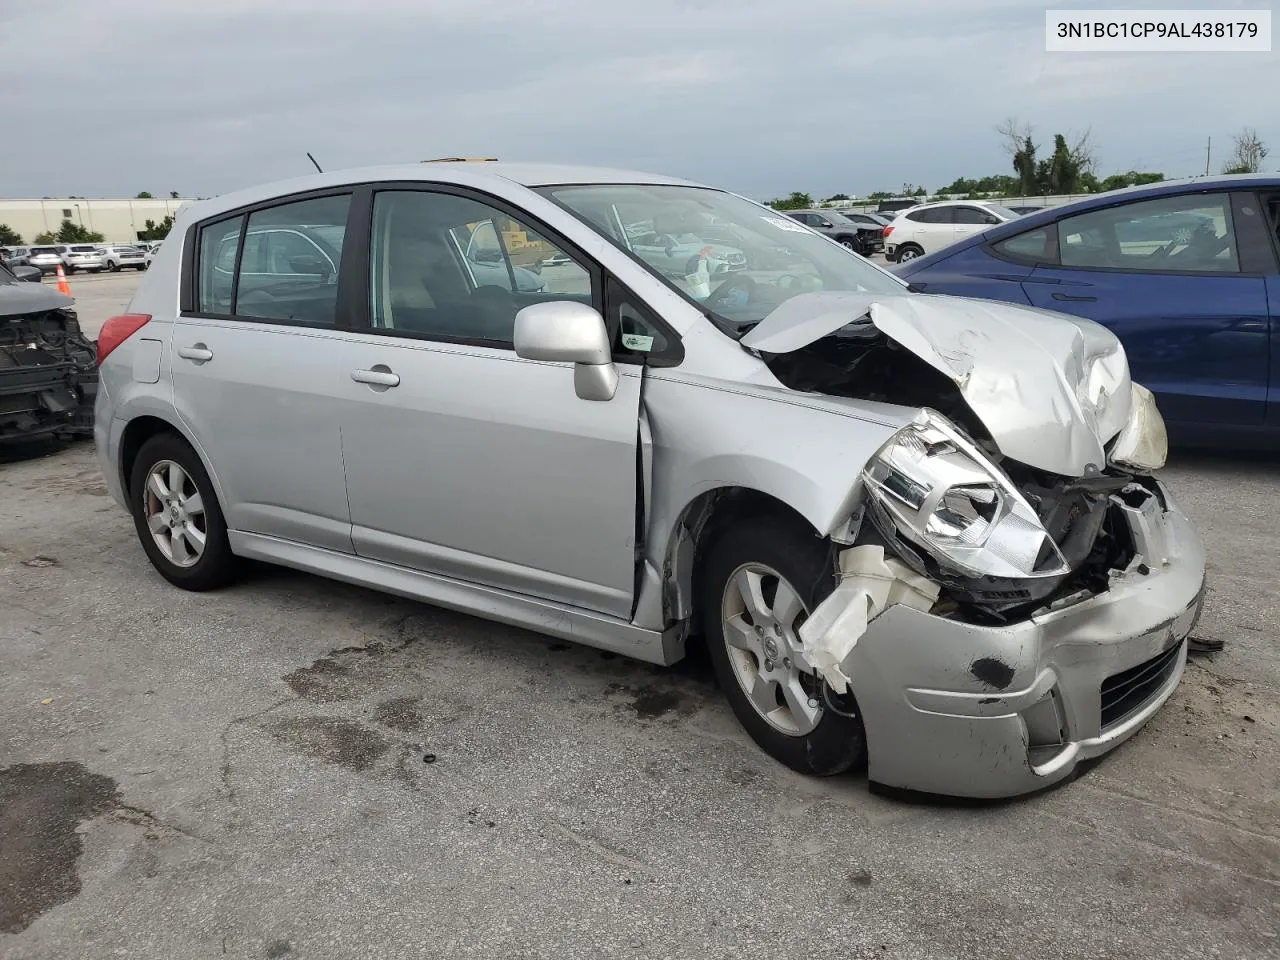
[[935, 493], [1143, 442]]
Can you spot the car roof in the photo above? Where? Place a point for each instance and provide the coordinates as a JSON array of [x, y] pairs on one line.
[[467, 174], [1146, 191]]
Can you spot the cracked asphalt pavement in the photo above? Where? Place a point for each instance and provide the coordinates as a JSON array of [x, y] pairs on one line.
[[297, 768]]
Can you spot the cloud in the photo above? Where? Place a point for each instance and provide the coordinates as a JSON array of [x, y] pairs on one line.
[[761, 97]]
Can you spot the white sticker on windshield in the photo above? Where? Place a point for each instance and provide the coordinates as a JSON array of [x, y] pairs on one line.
[[783, 223], [635, 341]]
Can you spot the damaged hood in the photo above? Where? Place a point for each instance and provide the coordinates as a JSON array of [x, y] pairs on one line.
[[1052, 390], [19, 299]]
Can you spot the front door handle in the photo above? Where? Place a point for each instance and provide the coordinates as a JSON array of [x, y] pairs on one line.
[[1072, 298], [197, 352], [379, 375]]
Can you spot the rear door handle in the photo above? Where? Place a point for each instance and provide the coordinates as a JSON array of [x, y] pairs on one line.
[[197, 352], [379, 375], [1072, 298]]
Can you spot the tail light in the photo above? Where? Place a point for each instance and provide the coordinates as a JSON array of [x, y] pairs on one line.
[[888, 230], [117, 330]]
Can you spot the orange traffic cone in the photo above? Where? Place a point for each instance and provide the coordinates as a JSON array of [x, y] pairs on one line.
[[63, 287]]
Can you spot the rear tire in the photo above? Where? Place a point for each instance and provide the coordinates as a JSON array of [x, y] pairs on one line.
[[177, 515], [785, 568], [909, 251]]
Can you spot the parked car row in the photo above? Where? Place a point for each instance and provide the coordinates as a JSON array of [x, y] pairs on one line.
[[90, 257]]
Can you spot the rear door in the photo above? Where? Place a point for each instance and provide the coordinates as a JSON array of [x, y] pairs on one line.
[[1182, 281], [256, 375]]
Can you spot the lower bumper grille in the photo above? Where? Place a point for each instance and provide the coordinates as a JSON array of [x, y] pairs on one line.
[[1127, 692]]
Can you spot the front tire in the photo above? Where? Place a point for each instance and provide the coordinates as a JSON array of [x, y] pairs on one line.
[[761, 579], [177, 515], [113, 267]]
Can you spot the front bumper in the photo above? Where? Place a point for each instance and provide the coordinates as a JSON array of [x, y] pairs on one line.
[[964, 710]]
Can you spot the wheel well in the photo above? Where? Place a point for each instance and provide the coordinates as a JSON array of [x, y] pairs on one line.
[[846, 236], [699, 525], [911, 243], [138, 432]]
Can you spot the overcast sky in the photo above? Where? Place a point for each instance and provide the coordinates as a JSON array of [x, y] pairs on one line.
[[760, 96]]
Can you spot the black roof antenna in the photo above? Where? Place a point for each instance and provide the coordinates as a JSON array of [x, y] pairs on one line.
[[313, 161]]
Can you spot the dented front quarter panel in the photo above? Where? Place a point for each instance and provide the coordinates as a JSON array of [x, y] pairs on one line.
[[1051, 390], [709, 434], [945, 703]]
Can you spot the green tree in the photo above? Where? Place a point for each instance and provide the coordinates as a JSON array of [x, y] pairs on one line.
[[1118, 181], [879, 195], [1024, 165], [70, 232], [143, 195], [836, 198], [44, 238], [797, 201], [9, 236], [156, 231], [173, 194]]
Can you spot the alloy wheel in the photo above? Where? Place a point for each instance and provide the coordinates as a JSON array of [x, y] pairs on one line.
[[175, 514], [761, 613]]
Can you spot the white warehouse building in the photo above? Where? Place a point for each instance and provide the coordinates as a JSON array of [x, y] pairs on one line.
[[119, 221]]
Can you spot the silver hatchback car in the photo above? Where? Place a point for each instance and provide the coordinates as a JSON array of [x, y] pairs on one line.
[[915, 531]]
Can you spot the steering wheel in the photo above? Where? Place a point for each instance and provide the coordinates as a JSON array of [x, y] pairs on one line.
[[720, 296]]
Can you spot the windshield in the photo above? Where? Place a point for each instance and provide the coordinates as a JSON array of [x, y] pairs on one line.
[[737, 260]]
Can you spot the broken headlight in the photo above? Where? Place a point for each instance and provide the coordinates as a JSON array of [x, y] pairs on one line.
[[934, 489], [1143, 443]]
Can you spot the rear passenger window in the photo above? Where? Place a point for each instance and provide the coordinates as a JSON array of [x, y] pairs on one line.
[[289, 270], [219, 243], [1033, 246]]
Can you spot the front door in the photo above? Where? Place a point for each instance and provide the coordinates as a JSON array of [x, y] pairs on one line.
[[256, 381], [462, 459], [1177, 279]]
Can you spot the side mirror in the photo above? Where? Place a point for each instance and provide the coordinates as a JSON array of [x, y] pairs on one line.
[[565, 331], [27, 272], [310, 265], [827, 224]]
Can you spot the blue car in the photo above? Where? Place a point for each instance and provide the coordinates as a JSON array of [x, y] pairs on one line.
[[1186, 273]]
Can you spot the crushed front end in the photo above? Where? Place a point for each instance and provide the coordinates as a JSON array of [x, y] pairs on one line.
[[1056, 622], [48, 375]]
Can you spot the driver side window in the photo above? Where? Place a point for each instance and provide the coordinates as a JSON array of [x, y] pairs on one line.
[[1188, 234], [450, 267]]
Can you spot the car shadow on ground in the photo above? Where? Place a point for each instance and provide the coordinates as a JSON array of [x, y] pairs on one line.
[[16, 451]]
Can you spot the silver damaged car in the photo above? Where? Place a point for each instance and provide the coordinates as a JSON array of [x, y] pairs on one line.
[[915, 532]]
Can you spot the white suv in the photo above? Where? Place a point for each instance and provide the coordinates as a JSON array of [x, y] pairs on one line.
[[82, 256], [932, 226]]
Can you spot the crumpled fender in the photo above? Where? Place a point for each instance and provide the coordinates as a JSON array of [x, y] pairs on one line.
[[1052, 390]]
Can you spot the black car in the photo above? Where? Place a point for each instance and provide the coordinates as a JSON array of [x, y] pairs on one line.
[[863, 238], [48, 368]]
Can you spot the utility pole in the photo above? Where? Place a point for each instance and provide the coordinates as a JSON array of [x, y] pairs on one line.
[[1207, 148]]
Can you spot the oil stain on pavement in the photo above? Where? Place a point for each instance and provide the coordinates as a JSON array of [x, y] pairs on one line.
[[41, 807]]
